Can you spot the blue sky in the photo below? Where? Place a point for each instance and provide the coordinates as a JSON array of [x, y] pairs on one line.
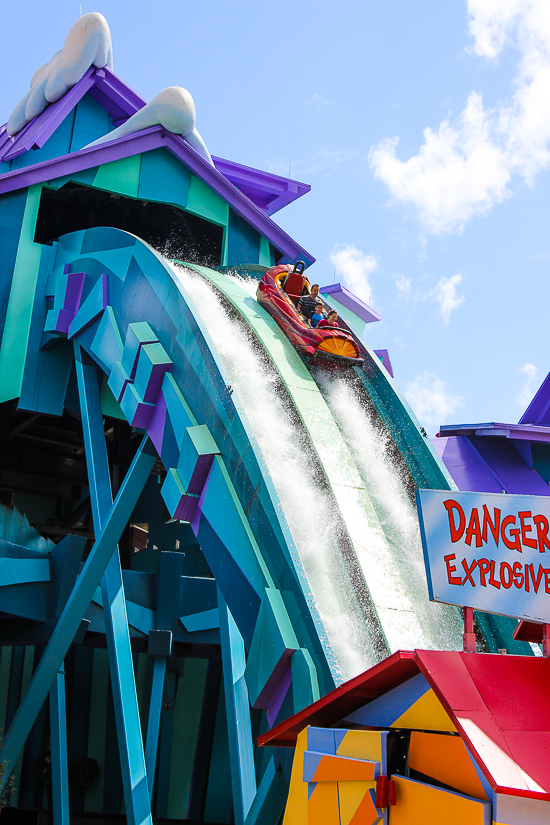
[[424, 131]]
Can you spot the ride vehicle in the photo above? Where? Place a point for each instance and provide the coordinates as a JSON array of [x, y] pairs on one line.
[[279, 292]]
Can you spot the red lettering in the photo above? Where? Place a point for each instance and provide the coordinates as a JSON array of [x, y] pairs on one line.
[[541, 523], [451, 569], [526, 528], [547, 581], [536, 582], [474, 529], [469, 571], [456, 532], [518, 575], [494, 527], [492, 579], [508, 579], [527, 578], [511, 545], [484, 567]]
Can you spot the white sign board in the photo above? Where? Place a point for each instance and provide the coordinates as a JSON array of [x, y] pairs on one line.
[[487, 551]]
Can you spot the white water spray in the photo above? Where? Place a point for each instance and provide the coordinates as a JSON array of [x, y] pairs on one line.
[[371, 448], [307, 506]]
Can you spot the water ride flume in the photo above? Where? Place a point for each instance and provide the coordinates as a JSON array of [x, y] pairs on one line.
[[279, 292]]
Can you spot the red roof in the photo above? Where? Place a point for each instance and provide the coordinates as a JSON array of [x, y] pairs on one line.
[[499, 704]]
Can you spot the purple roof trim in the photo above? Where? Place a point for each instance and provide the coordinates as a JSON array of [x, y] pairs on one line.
[[270, 192], [490, 465], [538, 411], [350, 301], [523, 432], [145, 141], [384, 356], [110, 91], [35, 134], [119, 99]]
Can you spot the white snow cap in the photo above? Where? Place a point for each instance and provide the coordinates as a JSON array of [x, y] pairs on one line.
[[88, 43], [174, 109]]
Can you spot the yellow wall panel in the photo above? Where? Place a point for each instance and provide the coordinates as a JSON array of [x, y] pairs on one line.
[[322, 806], [445, 759], [296, 804], [351, 795], [421, 804], [427, 713], [361, 744]]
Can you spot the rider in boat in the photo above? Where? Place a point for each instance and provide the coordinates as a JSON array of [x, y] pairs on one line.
[[318, 315], [307, 303], [330, 321]]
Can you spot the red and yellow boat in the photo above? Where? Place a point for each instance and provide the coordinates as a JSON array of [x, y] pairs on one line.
[[278, 292]]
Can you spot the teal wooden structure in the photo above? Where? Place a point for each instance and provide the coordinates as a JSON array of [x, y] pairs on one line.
[[157, 617]]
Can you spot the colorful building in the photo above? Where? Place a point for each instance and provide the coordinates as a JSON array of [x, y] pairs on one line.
[[164, 598]]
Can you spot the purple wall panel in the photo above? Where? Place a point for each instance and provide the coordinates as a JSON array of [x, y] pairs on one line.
[[466, 467], [508, 466], [538, 411]]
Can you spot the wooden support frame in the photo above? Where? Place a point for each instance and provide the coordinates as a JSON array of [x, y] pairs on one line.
[[77, 604], [130, 742]]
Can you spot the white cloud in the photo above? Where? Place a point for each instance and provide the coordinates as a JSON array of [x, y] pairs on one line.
[[403, 284], [526, 395], [445, 294], [431, 399], [464, 167], [355, 269]]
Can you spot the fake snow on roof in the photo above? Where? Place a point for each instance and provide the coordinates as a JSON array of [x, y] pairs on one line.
[[88, 43], [172, 108]]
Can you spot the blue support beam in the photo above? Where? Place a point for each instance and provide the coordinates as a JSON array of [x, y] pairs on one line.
[[170, 569], [130, 742], [154, 720], [58, 728], [241, 748], [77, 604]]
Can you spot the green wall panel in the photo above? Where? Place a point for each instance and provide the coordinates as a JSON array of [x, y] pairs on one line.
[[86, 177], [12, 210], [163, 178], [18, 317], [243, 241], [265, 252], [120, 176], [93, 801], [185, 731], [202, 201]]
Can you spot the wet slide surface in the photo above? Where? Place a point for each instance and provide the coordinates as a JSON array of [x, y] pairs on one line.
[[344, 499]]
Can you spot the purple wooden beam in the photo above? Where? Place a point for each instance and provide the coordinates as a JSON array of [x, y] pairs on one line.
[[345, 297], [35, 134], [538, 411], [104, 86], [523, 432], [270, 192], [115, 95], [145, 141], [384, 356]]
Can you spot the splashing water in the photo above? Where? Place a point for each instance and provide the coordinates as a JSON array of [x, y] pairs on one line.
[[387, 489], [307, 505]]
